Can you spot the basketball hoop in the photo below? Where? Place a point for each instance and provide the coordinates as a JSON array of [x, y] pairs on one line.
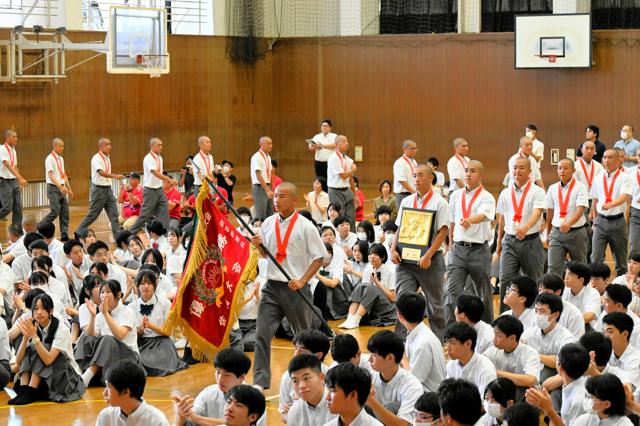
[[552, 58], [153, 63]]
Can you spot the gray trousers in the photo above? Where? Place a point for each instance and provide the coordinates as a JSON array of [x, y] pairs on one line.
[[262, 204], [381, 310], [101, 197], [401, 196], [11, 199], [409, 277], [575, 242], [346, 199], [464, 262], [527, 255], [154, 204], [276, 302], [616, 234], [634, 231], [58, 207]]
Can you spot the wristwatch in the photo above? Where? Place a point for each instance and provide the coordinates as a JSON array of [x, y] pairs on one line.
[[35, 340]]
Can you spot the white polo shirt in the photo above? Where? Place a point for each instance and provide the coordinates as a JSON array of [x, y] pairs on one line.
[[622, 185], [586, 173], [538, 150], [535, 200], [54, 163], [426, 358], [572, 319], [535, 169], [102, 162], [484, 204], [338, 163], [436, 203], [485, 336], [145, 414], [323, 153], [205, 164], [403, 170], [629, 362], [403, 389], [588, 300], [123, 316], [152, 162], [260, 161], [572, 400], [523, 360], [634, 175], [456, 169], [303, 413], [7, 153], [305, 245], [578, 198], [479, 370], [547, 344], [635, 333]]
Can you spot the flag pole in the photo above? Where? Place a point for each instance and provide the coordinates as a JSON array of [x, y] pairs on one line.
[[264, 249]]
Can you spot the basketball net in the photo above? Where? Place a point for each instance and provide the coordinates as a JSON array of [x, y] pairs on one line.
[[153, 64]]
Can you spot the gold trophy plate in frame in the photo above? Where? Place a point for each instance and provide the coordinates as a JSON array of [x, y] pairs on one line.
[[415, 233]]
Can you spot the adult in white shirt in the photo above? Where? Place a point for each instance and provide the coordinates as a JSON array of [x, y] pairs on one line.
[[318, 200], [422, 348], [457, 165], [204, 162], [324, 146], [519, 210], [58, 187], [403, 170], [10, 179], [340, 171], [566, 203], [301, 256], [472, 210], [428, 273], [611, 192], [587, 168], [260, 170], [101, 196], [537, 151], [526, 148], [154, 200]]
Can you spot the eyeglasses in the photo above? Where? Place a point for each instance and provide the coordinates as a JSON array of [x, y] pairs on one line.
[[420, 416], [512, 288]]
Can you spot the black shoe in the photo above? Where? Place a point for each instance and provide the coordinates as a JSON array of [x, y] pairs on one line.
[[64, 237], [28, 396], [19, 390], [188, 357]]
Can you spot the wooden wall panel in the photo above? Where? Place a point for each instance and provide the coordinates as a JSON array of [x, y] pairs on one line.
[[379, 90]]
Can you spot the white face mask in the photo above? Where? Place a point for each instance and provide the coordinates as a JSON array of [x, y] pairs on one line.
[[245, 218], [493, 409], [587, 405], [388, 238], [226, 169], [624, 135], [529, 134], [362, 236], [423, 424], [543, 321]]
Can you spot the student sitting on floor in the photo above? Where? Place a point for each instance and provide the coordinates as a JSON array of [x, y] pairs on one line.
[[617, 298], [422, 348], [521, 414], [607, 402], [513, 359], [573, 362], [45, 356], [354, 268], [460, 402], [427, 410], [90, 291], [464, 361], [99, 252], [110, 337], [344, 348], [470, 309], [244, 407], [157, 352], [231, 368], [499, 395], [578, 292], [571, 317], [520, 296], [78, 263], [396, 389], [619, 327], [312, 342], [331, 276], [308, 382], [376, 295], [349, 388], [5, 355], [600, 273], [123, 391]]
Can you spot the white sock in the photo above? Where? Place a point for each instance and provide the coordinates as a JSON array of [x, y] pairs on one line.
[[356, 319], [87, 376]]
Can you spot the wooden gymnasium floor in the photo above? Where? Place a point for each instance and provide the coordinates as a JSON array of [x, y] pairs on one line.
[[157, 392]]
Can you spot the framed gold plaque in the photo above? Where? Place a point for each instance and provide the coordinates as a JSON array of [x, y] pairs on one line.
[[415, 233]]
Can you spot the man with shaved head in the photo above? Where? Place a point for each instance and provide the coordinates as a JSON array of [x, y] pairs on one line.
[[204, 161], [611, 192], [10, 180], [526, 151], [457, 165], [58, 188], [101, 196], [403, 170], [587, 168], [519, 210], [296, 244], [566, 231], [261, 179], [428, 272], [472, 210], [154, 199], [340, 171]]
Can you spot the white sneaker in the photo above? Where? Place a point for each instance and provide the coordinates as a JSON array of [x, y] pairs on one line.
[[260, 388]]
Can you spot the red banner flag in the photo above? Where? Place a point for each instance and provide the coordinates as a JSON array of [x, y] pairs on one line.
[[211, 292]]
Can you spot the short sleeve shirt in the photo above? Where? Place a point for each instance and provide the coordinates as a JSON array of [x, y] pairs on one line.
[[100, 162], [54, 163], [152, 162], [578, 198], [8, 154]]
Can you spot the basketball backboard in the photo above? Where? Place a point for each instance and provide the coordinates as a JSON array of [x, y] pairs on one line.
[[137, 41]]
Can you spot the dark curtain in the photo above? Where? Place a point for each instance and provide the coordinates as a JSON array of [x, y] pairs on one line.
[[245, 26], [615, 14], [418, 16], [499, 15]]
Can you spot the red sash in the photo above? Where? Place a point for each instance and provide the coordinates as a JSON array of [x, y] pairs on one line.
[[424, 202], [281, 254], [517, 208], [466, 210], [564, 204], [608, 192]]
